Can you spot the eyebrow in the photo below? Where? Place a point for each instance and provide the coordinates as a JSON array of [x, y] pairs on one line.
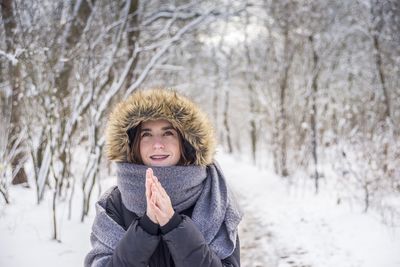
[[163, 128]]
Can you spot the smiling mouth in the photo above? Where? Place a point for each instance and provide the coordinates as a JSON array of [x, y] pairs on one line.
[[159, 157]]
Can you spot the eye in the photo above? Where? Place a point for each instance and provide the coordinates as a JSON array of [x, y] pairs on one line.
[[145, 134], [169, 133]]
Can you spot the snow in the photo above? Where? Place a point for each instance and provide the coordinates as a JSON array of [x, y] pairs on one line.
[[26, 231], [284, 225]]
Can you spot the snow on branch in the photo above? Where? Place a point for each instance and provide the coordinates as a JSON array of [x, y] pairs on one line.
[[163, 49], [12, 58], [185, 12]]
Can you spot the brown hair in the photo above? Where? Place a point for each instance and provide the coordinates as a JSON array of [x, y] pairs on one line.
[[188, 154]]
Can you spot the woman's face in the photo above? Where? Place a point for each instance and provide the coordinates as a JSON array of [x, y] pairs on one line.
[[159, 144]]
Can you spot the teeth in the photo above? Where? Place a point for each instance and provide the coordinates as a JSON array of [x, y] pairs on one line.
[[159, 157]]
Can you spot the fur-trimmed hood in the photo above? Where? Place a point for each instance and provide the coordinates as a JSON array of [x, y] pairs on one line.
[[154, 104]]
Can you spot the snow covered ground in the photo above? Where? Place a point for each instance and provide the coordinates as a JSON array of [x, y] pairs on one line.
[[291, 226], [283, 226]]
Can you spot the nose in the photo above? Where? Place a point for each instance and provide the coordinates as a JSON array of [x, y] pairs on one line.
[[158, 144]]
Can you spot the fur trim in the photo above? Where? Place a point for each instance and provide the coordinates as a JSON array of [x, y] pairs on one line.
[[157, 104]]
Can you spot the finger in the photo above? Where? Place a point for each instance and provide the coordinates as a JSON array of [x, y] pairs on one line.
[[159, 186], [161, 189], [154, 201], [155, 179], [155, 194], [148, 184], [157, 211], [151, 173], [164, 208], [156, 183], [153, 197], [161, 202]]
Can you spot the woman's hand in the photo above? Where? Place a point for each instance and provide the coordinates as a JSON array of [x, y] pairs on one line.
[[150, 197], [159, 206], [162, 207]]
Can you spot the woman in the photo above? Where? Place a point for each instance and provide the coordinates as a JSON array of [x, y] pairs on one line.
[[171, 205]]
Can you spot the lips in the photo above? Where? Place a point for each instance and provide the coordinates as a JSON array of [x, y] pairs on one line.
[[159, 157]]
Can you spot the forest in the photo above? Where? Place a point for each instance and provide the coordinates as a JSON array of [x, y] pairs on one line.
[[304, 88]]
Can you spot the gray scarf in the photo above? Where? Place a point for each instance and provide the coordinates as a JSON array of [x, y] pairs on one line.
[[215, 212]]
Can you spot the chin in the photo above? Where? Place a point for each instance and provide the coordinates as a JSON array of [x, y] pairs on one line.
[[167, 163], [162, 165]]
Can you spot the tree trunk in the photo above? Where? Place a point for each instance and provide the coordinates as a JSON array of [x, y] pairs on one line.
[[282, 131], [375, 30], [216, 91], [250, 78], [73, 34], [91, 170], [282, 121], [54, 207], [313, 119], [4, 132], [226, 123], [132, 36], [366, 197], [10, 28]]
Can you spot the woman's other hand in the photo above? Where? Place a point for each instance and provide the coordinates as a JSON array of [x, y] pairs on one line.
[[150, 197], [162, 207]]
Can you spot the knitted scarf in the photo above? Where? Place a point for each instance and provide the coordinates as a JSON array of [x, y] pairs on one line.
[[215, 212]]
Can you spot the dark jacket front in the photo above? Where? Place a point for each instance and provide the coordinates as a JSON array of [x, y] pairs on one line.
[[178, 243]]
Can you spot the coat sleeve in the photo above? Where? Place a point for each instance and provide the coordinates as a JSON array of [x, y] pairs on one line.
[[134, 247], [188, 247]]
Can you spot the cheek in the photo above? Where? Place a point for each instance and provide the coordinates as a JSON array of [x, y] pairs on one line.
[[177, 147], [143, 147]]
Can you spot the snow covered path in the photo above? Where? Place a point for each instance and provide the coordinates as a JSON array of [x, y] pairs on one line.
[[283, 227], [286, 226]]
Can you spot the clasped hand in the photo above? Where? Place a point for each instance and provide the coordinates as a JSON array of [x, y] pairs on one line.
[[159, 206]]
